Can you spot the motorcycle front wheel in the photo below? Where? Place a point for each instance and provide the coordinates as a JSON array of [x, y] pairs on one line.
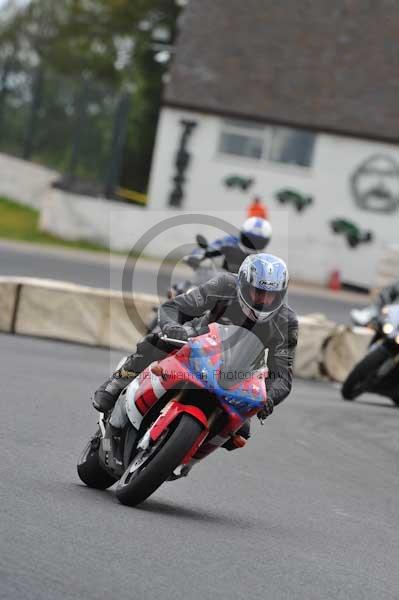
[[151, 467], [361, 377]]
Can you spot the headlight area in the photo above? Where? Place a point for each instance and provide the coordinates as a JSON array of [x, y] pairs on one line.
[[387, 328]]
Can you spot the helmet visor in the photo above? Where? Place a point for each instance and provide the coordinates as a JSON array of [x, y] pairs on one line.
[[253, 242], [262, 300]]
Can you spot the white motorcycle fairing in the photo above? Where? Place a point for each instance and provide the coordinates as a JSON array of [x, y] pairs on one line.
[[132, 393]]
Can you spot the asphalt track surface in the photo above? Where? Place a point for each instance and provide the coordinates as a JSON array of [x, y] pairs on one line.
[[307, 510], [97, 271]]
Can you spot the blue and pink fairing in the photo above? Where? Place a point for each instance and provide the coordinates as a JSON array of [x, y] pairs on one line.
[[199, 362]]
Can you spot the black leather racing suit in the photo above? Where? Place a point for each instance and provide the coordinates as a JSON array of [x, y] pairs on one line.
[[216, 300]]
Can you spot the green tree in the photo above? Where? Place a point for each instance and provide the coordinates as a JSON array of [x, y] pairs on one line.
[[109, 42]]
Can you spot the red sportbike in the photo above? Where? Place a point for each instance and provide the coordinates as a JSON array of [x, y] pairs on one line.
[[177, 411]]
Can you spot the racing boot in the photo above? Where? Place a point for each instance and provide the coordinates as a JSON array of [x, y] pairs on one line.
[[239, 439], [108, 393]]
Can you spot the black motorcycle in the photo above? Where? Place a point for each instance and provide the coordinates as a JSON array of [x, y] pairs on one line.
[[378, 371]]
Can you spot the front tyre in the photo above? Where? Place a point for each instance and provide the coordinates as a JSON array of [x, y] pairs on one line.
[[89, 468], [362, 375], [150, 468]]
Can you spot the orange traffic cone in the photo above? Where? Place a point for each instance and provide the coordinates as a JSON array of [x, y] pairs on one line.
[[334, 283]]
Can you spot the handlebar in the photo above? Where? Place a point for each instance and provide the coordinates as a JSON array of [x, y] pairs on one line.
[[169, 340]]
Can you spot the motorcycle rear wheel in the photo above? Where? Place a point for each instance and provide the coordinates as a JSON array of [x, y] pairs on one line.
[[150, 468], [89, 468], [360, 378]]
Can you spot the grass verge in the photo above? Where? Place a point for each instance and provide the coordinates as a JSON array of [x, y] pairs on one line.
[[18, 222]]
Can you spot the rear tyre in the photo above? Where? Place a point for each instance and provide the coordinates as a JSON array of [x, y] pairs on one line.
[[361, 377], [150, 468], [89, 468]]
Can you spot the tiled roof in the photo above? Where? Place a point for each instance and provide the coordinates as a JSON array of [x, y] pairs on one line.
[[327, 64]]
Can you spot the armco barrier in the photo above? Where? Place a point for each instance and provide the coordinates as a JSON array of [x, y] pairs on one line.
[[98, 317]]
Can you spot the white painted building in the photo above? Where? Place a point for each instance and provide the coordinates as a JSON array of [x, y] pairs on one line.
[[325, 128], [305, 238]]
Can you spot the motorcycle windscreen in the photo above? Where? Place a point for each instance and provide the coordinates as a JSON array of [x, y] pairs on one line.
[[242, 354]]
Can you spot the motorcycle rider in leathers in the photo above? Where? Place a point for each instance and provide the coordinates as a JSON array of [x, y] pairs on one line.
[[230, 251], [388, 295], [254, 236], [253, 299], [365, 316]]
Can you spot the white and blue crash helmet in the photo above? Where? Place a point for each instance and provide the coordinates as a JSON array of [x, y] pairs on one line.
[[255, 234], [262, 285]]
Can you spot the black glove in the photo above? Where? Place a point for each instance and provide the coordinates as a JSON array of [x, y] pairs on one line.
[[197, 326], [176, 332], [266, 411]]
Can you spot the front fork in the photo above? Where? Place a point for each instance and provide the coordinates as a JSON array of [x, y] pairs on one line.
[[101, 424], [110, 455]]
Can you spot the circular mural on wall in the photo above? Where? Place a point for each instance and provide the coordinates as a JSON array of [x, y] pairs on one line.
[[375, 184]]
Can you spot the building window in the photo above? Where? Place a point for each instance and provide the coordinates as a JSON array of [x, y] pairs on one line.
[[241, 145], [275, 144], [292, 146], [242, 138]]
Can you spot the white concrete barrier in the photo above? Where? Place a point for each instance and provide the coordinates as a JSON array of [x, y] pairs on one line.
[[120, 226], [74, 313], [24, 181], [344, 349], [314, 329], [106, 318], [75, 217], [9, 290]]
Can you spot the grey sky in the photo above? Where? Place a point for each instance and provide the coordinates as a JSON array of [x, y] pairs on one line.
[[15, 2]]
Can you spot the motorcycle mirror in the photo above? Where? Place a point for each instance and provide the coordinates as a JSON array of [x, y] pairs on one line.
[[201, 241]]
